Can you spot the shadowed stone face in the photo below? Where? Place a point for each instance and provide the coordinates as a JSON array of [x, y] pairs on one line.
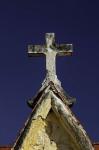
[[50, 50]]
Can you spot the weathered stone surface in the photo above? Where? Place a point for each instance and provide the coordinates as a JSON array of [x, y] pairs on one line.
[[71, 124], [47, 135], [52, 126], [50, 50]]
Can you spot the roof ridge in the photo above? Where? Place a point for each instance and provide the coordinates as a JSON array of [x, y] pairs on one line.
[[58, 90]]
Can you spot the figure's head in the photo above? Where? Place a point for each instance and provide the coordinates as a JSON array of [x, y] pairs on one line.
[[50, 39]]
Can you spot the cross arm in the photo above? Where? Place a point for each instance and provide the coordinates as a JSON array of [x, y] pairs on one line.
[[36, 50], [64, 49]]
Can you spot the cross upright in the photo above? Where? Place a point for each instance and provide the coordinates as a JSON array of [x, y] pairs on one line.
[[50, 50]]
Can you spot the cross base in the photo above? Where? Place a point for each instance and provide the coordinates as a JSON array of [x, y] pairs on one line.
[[48, 79]]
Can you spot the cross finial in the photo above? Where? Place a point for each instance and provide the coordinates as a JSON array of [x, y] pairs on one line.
[[50, 50]]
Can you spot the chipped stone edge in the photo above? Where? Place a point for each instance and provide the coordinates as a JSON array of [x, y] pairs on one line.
[[64, 113]]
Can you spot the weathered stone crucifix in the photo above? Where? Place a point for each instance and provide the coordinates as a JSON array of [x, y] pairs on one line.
[[50, 50]]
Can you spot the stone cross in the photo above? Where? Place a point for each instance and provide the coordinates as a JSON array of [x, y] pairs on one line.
[[50, 50]]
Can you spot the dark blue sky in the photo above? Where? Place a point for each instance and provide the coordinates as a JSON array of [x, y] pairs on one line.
[[26, 21]]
